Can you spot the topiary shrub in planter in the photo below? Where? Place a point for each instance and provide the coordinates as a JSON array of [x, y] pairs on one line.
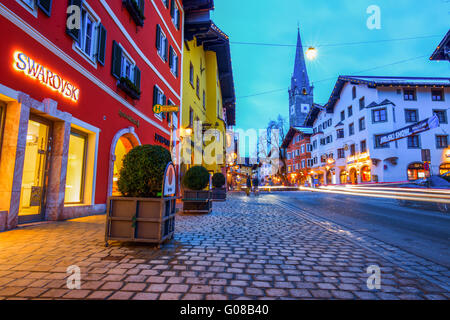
[[219, 192], [143, 170], [196, 199], [142, 214]]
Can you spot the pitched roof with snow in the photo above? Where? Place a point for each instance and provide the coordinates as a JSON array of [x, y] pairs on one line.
[[374, 82]]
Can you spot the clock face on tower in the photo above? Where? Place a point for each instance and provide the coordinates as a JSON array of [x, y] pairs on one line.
[[292, 109], [305, 108]]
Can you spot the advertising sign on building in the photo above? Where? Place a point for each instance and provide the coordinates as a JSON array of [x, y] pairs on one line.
[[169, 187], [411, 130]]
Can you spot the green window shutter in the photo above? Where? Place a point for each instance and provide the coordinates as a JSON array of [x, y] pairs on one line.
[[155, 95], [172, 8], [137, 78], [158, 37], [101, 44], [74, 33], [166, 54], [116, 60], [170, 56], [141, 6], [45, 6]]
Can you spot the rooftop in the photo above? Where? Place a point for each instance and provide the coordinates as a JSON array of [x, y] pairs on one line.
[[376, 81], [442, 51]]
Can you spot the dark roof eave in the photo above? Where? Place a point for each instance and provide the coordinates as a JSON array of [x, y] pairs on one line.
[[214, 39], [439, 54]]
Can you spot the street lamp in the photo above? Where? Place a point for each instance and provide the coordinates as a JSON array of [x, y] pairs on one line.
[[311, 53]]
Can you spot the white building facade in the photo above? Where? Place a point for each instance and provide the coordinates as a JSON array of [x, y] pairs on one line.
[[346, 146]]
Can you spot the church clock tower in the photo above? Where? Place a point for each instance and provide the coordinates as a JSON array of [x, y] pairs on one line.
[[301, 92]]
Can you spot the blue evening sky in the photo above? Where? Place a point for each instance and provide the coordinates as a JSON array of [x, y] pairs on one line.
[[265, 68]]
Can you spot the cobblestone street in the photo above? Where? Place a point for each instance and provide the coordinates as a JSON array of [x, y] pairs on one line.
[[247, 248]]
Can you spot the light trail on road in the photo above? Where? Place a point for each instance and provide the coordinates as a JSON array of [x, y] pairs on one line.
[[413, 196]]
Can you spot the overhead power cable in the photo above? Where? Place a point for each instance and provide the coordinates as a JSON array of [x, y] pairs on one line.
[[333, 78], [340, 44]]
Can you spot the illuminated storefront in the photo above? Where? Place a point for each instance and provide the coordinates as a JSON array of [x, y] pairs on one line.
[[67, 116], [343, 177], [444, 168], [366, 174], [417, 171]]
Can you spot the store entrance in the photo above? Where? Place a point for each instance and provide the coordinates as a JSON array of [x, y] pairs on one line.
[[35, 169], [124, 145], [353, 176]]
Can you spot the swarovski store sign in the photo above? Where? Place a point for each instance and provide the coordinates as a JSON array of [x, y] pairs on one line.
[[411, 130]]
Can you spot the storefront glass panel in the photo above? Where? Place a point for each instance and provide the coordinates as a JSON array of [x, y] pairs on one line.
[[366, 175], [2, 121], [34, 172], [76, 164], [444, 168], [416, 171], [343, 177]]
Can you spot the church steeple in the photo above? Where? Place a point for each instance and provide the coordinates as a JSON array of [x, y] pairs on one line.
[[300, 75], [301, 92]]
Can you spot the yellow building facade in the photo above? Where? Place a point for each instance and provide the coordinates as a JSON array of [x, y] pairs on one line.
[[206, 110]]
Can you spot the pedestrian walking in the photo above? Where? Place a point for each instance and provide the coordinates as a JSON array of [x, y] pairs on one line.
[[255, 186], [249, 186]]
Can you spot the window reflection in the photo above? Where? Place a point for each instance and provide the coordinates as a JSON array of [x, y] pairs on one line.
[[76, 164]]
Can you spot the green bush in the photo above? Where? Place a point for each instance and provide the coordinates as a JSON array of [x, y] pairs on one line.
[[218, 180], [196, 178], [142, 172]]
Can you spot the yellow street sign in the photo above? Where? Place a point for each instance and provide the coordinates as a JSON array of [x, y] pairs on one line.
[[164, 109]]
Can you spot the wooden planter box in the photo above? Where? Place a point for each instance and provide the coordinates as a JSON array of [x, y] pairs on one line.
[[219, 194], [147, 220], [197, 202]]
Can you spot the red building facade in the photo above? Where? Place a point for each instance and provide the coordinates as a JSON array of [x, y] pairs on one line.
[[79, 81], [298, 154]]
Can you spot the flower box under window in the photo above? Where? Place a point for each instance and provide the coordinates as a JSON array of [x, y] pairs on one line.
[[136, 10], [129, 88]]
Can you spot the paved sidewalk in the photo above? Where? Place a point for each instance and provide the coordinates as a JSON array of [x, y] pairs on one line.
[[246, 249]]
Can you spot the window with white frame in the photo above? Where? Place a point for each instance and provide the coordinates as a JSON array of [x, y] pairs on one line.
[[161, 43], [127, 67], [87, 41], [175, 14], [219, 110], [30, 3], [173, 62], [159, 98]]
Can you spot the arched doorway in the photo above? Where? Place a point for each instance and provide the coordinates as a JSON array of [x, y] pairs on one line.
[[366, 175], [343, 177], [353, 176], [123, 142], [416, 171], [444, 168]]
